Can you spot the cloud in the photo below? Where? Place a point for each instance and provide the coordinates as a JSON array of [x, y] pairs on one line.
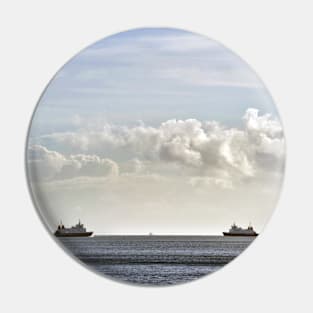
[[179, 42], [142, 58], [177, 147], [46, 165], [214, 77]]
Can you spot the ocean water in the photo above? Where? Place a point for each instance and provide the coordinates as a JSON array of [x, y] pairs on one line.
[[156, 260]]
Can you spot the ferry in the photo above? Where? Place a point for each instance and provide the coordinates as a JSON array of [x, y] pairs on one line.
[[75, 231], [238, 231]]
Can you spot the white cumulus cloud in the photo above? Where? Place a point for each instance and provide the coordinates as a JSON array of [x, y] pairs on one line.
[[45, 164], [193, 147]]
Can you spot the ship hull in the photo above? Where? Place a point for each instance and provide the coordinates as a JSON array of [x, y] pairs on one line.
[[86, 234], [239, 235]]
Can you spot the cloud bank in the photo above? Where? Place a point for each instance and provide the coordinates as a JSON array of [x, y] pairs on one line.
[[176, 147]]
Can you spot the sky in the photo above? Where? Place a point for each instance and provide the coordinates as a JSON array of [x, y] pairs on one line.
[[156, 130]]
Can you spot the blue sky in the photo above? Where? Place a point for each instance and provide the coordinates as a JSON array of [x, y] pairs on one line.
[[151, 75]]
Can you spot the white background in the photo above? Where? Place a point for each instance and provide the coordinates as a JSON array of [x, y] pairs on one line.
[[274, 37]]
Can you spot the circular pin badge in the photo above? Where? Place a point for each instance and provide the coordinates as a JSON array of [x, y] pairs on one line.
[[155, 156]]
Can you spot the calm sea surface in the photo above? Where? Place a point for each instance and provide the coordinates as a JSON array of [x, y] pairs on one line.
[[156, 260]]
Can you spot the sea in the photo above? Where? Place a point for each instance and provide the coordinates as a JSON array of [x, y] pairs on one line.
[[156, 260]]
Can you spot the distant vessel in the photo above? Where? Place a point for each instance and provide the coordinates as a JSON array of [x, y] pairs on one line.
[[238, 231], [75, 231]]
